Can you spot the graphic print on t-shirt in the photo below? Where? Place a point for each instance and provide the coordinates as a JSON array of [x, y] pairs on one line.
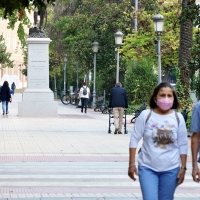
[[162, 134]]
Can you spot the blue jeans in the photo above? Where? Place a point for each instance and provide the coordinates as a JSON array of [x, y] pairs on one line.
[[5, 106], [158, 185]]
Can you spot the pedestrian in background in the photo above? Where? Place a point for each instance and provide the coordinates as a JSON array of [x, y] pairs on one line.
[[118, 101], [13, 86], [84, 95], [195, 141], [5, 97], [162, 158]]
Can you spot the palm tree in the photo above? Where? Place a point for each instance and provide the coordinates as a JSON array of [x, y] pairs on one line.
[[186, 32]]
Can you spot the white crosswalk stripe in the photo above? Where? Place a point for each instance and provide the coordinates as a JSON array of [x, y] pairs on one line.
[[108, 179]]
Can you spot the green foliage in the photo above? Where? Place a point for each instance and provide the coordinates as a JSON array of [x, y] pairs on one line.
[[184, 101], [197, 85], [141, 44], [19, 19], [4, 56], [25, 56], [188, 123], [151, 6], [140, 81], [191, 12], [195, 52], [93, 21], [9, 7]]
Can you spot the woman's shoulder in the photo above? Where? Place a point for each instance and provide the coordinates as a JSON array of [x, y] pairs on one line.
[[145, 112]]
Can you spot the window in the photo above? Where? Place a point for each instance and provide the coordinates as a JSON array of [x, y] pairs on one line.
[[14, 42], [8, 41]]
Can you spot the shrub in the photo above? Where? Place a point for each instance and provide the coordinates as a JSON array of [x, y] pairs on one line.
[[140, 81]]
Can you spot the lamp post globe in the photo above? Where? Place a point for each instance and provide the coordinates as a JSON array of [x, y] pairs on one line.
[[118, 41], [158, 27], [158, 23], [119, 38], [65, 58], [95, 46], [65, 62]]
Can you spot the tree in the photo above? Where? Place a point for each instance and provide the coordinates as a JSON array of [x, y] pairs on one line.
[[94, 21], [140, 45], [16, 10], [140, 81], [10, 7], [4, 56], [186, 33]]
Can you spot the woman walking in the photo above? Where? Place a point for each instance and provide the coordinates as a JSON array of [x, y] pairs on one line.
[[162, 158], [5, 97]]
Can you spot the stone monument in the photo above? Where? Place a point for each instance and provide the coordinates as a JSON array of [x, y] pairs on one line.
[[38, 99]]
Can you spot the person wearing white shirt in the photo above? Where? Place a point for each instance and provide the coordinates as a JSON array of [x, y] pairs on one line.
[[163, 155], [84, 96]]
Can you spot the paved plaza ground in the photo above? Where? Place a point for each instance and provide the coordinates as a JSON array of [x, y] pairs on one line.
[[71, 156]]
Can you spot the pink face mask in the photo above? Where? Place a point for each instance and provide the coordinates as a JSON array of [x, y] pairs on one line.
[[165, 103]]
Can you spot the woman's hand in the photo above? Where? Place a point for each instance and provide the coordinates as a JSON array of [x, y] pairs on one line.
[[132, 171], [196, 174], [181, 176]]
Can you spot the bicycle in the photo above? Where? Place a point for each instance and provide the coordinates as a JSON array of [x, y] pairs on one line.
[[136, 112], [70, 99]]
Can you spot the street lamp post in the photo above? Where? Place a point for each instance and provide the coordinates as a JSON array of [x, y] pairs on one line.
[[158, 27], [55, 89], [118, 41], [77, 77], [95, 46], [65, 62]]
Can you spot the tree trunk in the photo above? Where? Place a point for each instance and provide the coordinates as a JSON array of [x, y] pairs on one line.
[[139, 4], [186, 31], [166, 73]]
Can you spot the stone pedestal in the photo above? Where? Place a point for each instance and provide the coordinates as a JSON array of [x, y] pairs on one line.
[[38, 99]]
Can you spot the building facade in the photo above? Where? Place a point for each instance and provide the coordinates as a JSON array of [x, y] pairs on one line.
[[13, 46]]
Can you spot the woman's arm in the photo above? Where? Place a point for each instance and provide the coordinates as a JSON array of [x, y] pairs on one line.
[[132, 170], [137, 134], [181, 174], [182, 141]]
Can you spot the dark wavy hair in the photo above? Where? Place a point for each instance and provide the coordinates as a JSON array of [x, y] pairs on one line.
[[152, 102], [5, 84]]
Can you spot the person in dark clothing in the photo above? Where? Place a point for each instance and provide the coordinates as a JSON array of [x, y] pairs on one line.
[[118, 101], [5, 97], [13, 88]]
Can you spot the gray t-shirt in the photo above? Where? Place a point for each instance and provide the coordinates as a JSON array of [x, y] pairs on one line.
[[195, 124]]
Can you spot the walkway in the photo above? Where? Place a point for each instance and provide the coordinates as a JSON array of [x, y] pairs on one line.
[[71, 156]]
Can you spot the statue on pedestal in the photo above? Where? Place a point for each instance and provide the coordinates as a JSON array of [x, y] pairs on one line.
[[35, 31], [41, 13]]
